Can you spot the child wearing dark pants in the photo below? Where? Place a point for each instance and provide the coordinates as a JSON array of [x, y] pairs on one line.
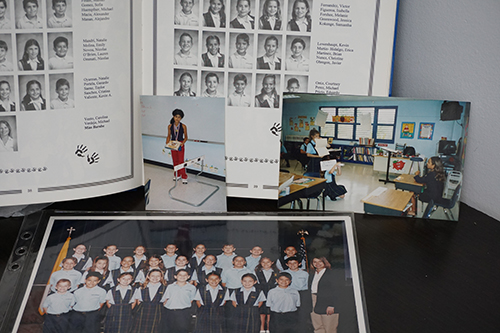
[[283, 303], [210, 299], [89, 300], [57, 307], [177, 300]]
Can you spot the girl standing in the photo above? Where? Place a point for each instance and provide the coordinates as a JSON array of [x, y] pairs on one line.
[[268, 97], [100, 265], [32, 59], [247, 300], [301, 17], [215, 17], [271, 16], [178, 131], [120, 303], [267, 274], [33, 100]]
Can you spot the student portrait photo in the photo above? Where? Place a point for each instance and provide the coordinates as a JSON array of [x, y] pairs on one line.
[[299, 15], [32, 91], [185, 82], [266, 89], [212, 84], [214, 15], [186, 12], [28, 14], [270, 48], [59, 13], [240, 89], [60, 50], [296, 83], [214, 47], [5, 22], [186, 50], [7, 96], [242, 14], [271, 16], [8, 134], [61, 91], [5, 53], [297, 53], [241, 51], [30, 52]]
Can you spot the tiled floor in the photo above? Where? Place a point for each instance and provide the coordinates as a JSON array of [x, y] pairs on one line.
[[360, 180], [162, 182]]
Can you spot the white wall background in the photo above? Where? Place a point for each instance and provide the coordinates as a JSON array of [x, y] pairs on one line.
[[451, 50]]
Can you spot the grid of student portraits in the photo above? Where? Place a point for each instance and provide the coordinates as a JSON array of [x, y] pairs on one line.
[[195, 274], [36, 61], [248, 51]]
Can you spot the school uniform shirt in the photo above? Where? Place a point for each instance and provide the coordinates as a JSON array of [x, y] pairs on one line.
[[213, 294], [59, 303], [232, 276], [123, 293], [236, 99], [83, 263], [206, 94], [186, 19], [300, 64], [300, 279], [283, 300], [265, 101], [209, 60], [223, 261], [107, 280], [33, 104], [304, 26], [185, 59], [270, 23], [5, 24], [167, 260], [58, 104], [7, 105], [179, 297], [117, 272], [6, 66], [169, 275], [57, 62], [280, 263], [243, 23], [73, 275], [200, 274], [25, 23], [252, 262], [195, 261], [260, 298], [265, 62], [241, 61], [63, 22], [214, 21], [8, 146], [31, 65], [152, 288], [114, 262], [89, 299], [138, 263]]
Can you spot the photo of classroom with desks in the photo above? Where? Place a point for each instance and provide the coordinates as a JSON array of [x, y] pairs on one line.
[[374, 155]]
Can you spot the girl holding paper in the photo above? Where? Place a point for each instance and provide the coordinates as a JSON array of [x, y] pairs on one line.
[[315, 159], [177, 131]]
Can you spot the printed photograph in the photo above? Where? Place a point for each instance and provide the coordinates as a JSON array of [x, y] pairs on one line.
[[195, 274]]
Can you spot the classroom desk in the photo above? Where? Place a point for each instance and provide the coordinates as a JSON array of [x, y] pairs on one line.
[[300, 191], [390, 202], [407, 182]]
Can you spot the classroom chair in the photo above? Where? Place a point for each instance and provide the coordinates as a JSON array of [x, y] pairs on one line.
[[446, 204]]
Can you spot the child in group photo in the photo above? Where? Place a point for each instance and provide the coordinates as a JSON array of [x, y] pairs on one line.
[[213, 57], [268, 97], [6, 103], [186, 15], [215, 17], [4, 20], [283, 303], [5, 65], [101, 266], [62, 101], [57, 307], [168, 258], [126, 266], [110, 253], [296, 61], [185, 57], [33, 100], [212, 84], [225, 259], [210, 299], [301, 17], [267, 275], [88, 301], [177, 131], [270, 60], [60, 19], [254, 258], [84, 262], [201, 273], [239, 97], [271, 16], [139, 257], [32, 57], [149, 308], [243, 20], [153, 262], [61, 59], [69, 272], [120, 303], [181, 262], [247, 300], [30, 19], [241, 58], [185, 84], [196, 259]]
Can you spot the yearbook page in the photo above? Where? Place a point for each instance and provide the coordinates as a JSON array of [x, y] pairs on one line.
[[69, 81], [260, 49]]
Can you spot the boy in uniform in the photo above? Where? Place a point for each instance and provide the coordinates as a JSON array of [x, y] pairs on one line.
[[254, 258], [4, 64], [239, 97], [89, 300], [56, 308], [169, 256], [83, 262], [61, 60], [283, 303], [30, 20], [67, 272], [114, 261], [59, 20]]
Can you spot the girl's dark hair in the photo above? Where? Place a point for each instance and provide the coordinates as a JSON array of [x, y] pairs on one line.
[[438, 168], [222, 11], [175, 113], [160, 265], [292, 81], [312, 133], [31, 42], [258, 268]]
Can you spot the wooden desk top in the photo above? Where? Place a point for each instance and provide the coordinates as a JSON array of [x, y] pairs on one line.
[[295, 187], [390, 198], [407, 179]]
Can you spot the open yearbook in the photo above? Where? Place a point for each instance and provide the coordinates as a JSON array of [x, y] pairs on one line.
[[72, 73]]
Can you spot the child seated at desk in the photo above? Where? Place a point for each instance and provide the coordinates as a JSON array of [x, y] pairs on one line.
[[434, 181]]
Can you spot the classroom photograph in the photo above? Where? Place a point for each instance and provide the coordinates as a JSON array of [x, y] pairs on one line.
[[260, 267], [184, 153], [374, 155]]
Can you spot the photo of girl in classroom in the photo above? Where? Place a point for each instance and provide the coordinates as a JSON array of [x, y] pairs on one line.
[[387, 156], [228, 291]]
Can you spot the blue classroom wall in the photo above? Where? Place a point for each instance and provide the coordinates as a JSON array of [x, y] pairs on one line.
[[215, 163], [409, 110]]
